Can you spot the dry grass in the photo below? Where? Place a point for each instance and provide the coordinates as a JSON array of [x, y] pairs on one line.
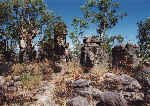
[[31, 81], [74, 71], [32, 73], [17, 68]]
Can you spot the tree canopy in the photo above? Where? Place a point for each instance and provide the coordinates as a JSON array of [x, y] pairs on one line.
[[103, 13]]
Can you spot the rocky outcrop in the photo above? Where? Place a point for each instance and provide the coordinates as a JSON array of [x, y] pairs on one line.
[[127, 86], [143, 76], [118, 90], [121, 82], [92, 52], [125, 55], [83, 88]]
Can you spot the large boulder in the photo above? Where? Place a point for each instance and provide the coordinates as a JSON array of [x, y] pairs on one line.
[[143, 76], [121, 82], [127, 86], [111, 99], [82, 87], [87, 92], [81, 83]]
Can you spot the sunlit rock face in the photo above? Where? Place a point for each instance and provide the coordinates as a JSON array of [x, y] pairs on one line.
[[92, 52]]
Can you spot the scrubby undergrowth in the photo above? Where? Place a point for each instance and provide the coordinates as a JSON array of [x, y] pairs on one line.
[[30, 80]]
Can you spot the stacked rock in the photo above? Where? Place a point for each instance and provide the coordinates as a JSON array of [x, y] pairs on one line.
[[92, 51]]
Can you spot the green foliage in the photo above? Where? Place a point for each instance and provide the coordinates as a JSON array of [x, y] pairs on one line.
[[32, 16], [57, 27], [103, 13], [110, 42], [79, 26], [144, 38], [50, 27], [26, 19]]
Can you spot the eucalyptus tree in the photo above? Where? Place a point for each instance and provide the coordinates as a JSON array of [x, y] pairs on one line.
[[79, 26], [26, 20], [48, 40], [103, 13]]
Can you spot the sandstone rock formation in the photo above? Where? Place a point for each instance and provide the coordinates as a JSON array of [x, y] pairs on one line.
[[127, 86], [107, 98], [125, 55], [92, 52]]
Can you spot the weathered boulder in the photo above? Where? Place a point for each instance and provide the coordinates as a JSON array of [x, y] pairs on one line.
[[81, 83], [83, 88], [121, 82], [143, 76], [43, 96], [88, 91], [92, 52], [111, 99], [78, 101], [127, 86]]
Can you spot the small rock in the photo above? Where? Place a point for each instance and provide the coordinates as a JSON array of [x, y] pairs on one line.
[[81, 83], [2, 80], [44, 100], [78, 101], [89, 91], [16, 78]]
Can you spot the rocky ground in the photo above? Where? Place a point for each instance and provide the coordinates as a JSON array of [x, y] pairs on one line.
[[71, 86]]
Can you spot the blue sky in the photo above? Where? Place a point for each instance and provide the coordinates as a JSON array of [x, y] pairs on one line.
[[136, 9]]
